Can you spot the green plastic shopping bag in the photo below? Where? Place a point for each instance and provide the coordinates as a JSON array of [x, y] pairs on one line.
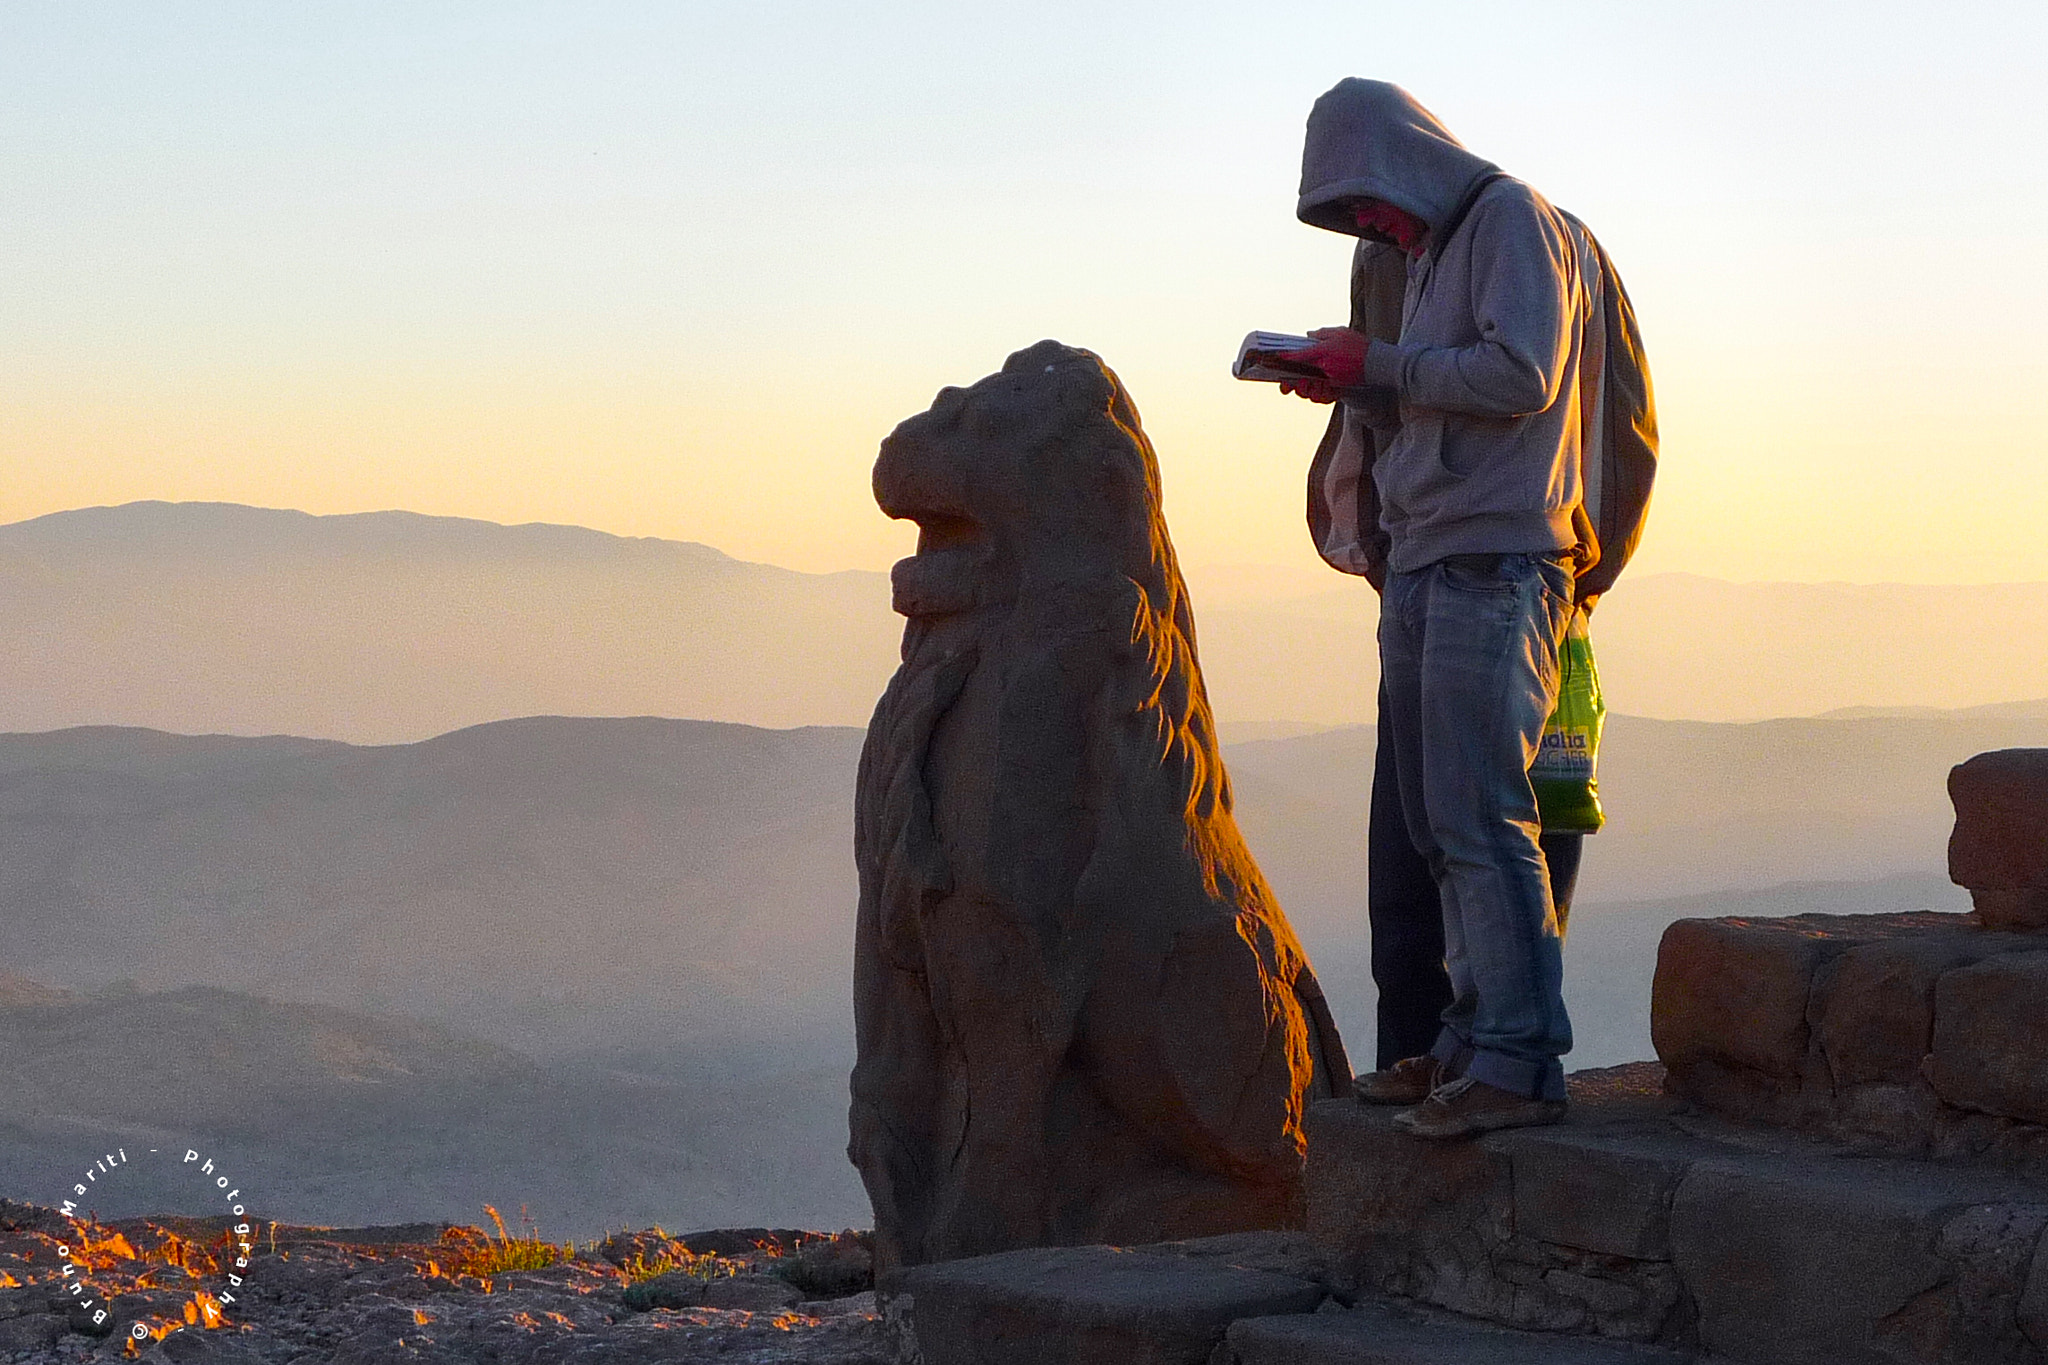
[[1566, 771]]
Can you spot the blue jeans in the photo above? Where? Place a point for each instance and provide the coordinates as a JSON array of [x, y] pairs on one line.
[[1468, 657], [1406, 915]]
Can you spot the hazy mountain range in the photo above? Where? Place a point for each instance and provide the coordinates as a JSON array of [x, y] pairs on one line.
[[628, 941], [600, 966], [390, 626]]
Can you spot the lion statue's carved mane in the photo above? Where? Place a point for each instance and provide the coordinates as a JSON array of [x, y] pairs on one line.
[[1081, 1014]]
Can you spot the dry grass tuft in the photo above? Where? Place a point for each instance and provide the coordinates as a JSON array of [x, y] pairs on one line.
[[702, 1266], [484, 1256]]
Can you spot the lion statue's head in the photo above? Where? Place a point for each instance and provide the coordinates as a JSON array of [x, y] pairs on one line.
[[1037, 496], [1039, 476]]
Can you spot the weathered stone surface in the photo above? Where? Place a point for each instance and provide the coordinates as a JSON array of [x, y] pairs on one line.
[[1816, 1260], [832, 1268], [1080, 1013], [2000, 846], [1833, 1024], [1560, 1229], [1387, 1334], [681, 1289], [1404, 1215], [1085, 1304], [1990, 1037], [1872, 1010], [1646, 1221], [1277, 1253], [374, 1296], [2033, 1305], [1579, 1189], [1711, 1036], [30, 1331]]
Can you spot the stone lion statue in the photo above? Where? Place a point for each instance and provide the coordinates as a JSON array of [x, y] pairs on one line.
[[1081, 1015]]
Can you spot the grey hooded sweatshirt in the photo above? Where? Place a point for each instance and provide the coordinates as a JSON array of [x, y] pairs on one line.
[[1491, 376]]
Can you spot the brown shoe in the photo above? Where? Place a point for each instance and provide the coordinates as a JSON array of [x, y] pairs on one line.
[[1408, 1081], [1466, 1108]]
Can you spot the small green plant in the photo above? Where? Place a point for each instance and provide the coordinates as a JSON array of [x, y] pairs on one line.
[[507, 1252], [705, 1266]]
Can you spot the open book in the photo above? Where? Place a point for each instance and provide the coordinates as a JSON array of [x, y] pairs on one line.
[[1268, 356]]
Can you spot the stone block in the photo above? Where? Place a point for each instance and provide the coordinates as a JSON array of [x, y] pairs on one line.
[[1999, 850], [1601, 1195], [1558, 1229], [1990, 1039], [1377, 1334], [1872, 1009], [1085, 1306], [1737, 1005], [1825, 1261], [1734, 992], [1401, 1213]]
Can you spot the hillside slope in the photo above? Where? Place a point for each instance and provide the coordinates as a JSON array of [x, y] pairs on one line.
[[327, 1115], [553, 884]]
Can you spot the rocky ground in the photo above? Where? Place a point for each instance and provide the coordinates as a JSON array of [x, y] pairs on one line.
[[429, 1293]]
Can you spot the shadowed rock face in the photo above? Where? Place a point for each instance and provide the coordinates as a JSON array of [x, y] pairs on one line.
[[1081, 1014], [1999, 850]]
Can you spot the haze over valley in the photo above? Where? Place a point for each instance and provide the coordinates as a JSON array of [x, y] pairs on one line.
[[389, 627], [403, 949]]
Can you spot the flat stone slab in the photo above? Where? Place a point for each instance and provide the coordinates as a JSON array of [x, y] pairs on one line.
[[1385, 1334], [1636, 1222], [1085, 1306]]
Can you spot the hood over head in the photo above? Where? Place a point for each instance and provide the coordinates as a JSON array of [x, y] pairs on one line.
[[1374, 140]]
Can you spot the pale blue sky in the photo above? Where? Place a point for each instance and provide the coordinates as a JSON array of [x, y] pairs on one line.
[[675, 269]]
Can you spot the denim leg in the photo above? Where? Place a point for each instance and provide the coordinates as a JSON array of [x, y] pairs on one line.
[[1403, 616], [1470, 658], [1406, 917]]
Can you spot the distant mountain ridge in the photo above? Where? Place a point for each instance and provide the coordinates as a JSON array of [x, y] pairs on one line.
[[571, 885], [389, 627], [603, 965], [392, 627], [154, 529]]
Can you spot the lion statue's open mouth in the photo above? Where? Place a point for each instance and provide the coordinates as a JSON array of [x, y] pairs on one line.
[[1081, 1014]]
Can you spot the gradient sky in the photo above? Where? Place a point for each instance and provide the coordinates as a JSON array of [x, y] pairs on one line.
[[674, 269]]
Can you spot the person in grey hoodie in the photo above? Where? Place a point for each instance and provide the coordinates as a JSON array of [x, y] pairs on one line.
[[1483, 405]]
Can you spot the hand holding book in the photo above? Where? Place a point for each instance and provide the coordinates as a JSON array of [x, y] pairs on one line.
[[1316, 366]]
